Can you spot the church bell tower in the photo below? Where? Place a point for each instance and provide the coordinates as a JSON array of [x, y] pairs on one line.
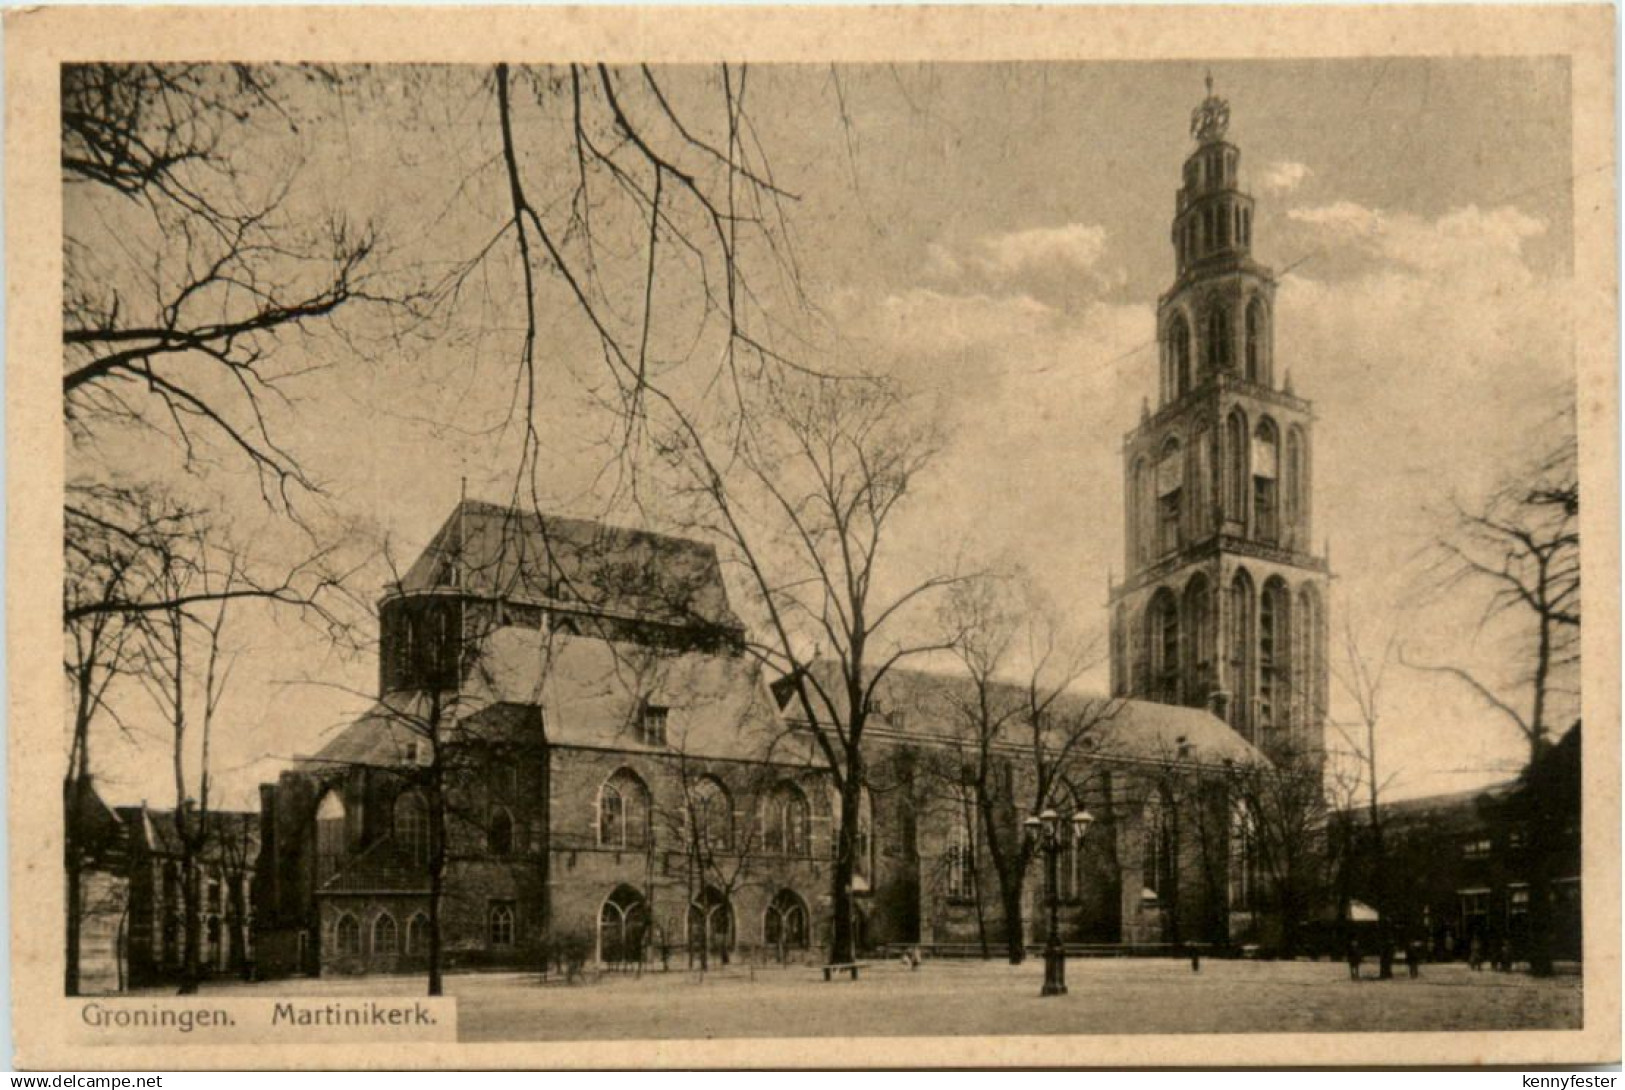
[[1223, 601]]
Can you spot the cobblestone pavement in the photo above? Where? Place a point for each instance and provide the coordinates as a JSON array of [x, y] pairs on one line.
[[961, 998]]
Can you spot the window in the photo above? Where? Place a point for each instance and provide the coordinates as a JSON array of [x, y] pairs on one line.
[[785, 925], [957, 859], [412, 826], [1235, 467], [710, 923], [1156, 856], [417, 934], [330, 834], [652, 725], [1243, 858], [347, 935], [1140, 504], [1306, 656], [1266, 451], [384, 934], [1292, 486], [1162, 636], [1241, 651], [711, 811], [499, 837], [1477, 849], [500, 928], [1218, 339], [785, 821], [623, 812], [1170, 490], [623, 926], [1198, 643], [1272, 665], [1179, 357], [1257, 365]]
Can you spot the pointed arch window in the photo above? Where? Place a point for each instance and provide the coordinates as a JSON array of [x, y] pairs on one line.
[[1292, 487], [500, 923], [1235, 467], [1243, 858], [1257, 343], [785, 821], [417, 934], [1241, 652], [1170, 494], [1218, 339], [384, 934], [347, 934], [1162, 636], [1139, 501], [958, 875], [1200, 470], [499, 837], [1266, 494], [331, 834], [710, 923], [711, 811], [411, 826], [1198, 649], [623, 812], [1274, 638], [1179, 356], [1157, 856], [784, 927], [1306, 656], [623, 926]]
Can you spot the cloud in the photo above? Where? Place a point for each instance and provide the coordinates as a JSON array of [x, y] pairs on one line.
[[1463, 240], [1049, 263], [1078, 246], [1284, 177]]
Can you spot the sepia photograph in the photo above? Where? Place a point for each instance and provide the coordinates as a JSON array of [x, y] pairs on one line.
[[647, 545]]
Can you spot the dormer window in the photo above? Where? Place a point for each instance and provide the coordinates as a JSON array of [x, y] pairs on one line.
[[652, 725]]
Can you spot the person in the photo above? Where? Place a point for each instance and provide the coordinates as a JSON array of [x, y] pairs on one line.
[[1196, 959], [1354, 959], [1413, 958], [1475, 954]]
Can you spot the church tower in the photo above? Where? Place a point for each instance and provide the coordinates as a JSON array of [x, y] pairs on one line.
[[1223, 601]]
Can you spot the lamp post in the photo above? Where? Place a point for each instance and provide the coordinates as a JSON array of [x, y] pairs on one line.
[[1050, 835]]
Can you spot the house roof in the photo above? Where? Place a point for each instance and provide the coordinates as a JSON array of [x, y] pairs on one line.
[[504, 552], [929, 704], [154, 831]]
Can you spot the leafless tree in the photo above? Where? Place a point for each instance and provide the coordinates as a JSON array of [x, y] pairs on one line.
[[1285, 805], [1520, 548], [1362, 676], [1018, 727]]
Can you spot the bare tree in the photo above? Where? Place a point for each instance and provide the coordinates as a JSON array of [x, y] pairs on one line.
[[1285, 806], [1362, 677], [1520, 548], [1029, 730]]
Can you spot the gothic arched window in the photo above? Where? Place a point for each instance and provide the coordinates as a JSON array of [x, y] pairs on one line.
[[1293, 487], [1179, 357], [500, 923], [1274, 667], [711, 811], [1162, 636], [1200, 472], [411, 823], [331, 836], [1266, 495], [1257, 342], [623, 811], [1306, 655], [417, 934], [956, 858], [1218, 338], [1197, 653], [785, 821], [499, 837], [1156, 856], [1235, 467], [623, 926], [347, 934], [1139, 506], [1241, 651], [1243, 858], [710, 922], [384, 934], [784, 927], [1170, 491]]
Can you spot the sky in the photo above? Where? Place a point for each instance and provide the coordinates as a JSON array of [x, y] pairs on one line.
[[995, 237]]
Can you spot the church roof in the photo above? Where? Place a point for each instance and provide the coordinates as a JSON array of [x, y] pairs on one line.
[[504, 552], [587, 692], [930, 705]]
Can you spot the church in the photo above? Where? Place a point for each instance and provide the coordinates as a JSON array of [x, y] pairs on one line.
[[621, 784]]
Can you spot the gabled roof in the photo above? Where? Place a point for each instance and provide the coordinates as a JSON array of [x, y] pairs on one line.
[[154, 831], [504, 552], [587, 692], [929, 705]]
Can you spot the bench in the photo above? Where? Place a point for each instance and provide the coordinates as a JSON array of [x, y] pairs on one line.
[[850, 967]]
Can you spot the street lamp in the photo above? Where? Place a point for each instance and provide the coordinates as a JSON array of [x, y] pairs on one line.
[[1047, 833]]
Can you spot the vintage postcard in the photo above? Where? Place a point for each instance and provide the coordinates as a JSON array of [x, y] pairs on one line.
[[812, 536]]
